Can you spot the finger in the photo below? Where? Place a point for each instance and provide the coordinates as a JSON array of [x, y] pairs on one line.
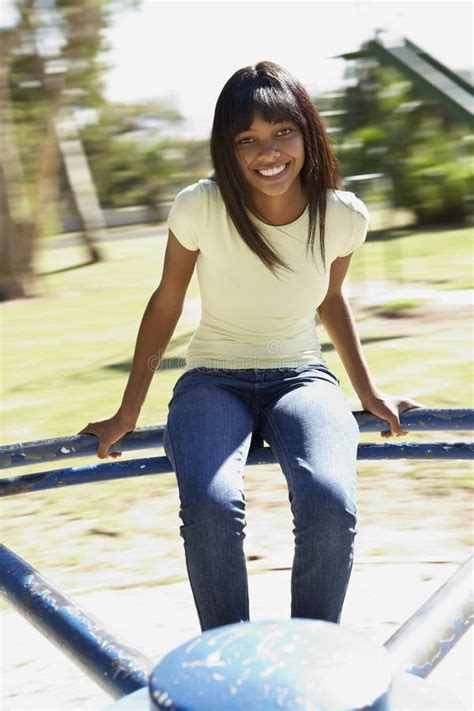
[[395, 426], [103, 450], [393, 432]]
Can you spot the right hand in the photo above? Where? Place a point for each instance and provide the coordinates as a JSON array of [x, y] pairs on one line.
[[108, 432]]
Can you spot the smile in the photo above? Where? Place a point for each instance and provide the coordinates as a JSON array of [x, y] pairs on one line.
[[270, 172]]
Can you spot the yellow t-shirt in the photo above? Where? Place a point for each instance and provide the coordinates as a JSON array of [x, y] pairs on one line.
[[251, 318]]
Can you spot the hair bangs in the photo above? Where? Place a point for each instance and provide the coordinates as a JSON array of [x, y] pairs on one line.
[[273, 103]]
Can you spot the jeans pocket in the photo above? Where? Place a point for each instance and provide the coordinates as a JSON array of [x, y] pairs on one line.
[[332, 374], [327, 374]]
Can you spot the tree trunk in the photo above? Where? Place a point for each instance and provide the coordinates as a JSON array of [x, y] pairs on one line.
[[22, 215], [17, 227], [81, 183], [16, 250]]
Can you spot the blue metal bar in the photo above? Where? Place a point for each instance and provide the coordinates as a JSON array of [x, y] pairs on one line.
[[15, 455], [428, 635], [416, 450], [107, 471], [118, 669], [49, 450], [422, 419]]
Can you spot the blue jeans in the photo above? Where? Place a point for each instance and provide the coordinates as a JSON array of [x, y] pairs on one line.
[[303, 415]]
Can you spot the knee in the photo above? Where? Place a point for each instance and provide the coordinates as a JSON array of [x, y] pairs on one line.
[[330, 510], [214, 510], [340, 517]]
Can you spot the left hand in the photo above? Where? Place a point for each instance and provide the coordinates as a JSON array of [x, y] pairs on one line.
[[388, 408]]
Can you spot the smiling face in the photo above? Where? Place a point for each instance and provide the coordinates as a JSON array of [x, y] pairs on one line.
[[271, 157]]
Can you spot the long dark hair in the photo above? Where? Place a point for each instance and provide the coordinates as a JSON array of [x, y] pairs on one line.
[[277, 96]]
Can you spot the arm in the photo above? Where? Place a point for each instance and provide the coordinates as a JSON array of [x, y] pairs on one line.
[[156, 329], [337, 318]]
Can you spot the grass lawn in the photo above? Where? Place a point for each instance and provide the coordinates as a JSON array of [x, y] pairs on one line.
[[65, 361], [66, 355], [441, 258]]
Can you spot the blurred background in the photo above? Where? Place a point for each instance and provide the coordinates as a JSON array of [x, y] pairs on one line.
[[105, 113], [106, 108]]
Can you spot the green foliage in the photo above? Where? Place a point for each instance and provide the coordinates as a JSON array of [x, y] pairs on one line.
[[424, 154], [363, 150], [132, 163], [52, 64], [68, 73], [437, 181]]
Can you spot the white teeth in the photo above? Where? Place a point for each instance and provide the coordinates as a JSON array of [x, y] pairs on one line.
[[272, 171]]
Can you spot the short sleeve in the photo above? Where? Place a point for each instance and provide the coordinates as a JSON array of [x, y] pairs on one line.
[[360, 226], [183, 219]]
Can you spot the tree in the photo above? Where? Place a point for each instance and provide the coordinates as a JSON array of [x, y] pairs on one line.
[[135, 156], [125, 151], [50, 65], [423, 152]]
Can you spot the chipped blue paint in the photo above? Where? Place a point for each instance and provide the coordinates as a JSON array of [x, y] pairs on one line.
[[407, 692], [15, 455], [441, 647], [118, 669], [107, 471], [48, 450], [121, 670], [289, 665], [83, 475], [426, 637]]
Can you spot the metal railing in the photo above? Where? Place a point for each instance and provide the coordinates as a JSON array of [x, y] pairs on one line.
[[17, 455], [416, 647]]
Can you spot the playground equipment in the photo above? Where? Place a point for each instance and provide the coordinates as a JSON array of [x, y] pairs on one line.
[[431, 78], [292, 665]]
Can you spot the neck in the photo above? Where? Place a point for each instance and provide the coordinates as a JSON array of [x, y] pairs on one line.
[[280, 209]]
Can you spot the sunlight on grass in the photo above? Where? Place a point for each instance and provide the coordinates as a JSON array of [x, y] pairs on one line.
[[66, 359], [438, 258], [71, 349]]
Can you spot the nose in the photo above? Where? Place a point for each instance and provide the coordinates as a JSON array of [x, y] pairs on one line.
[[269, 149]]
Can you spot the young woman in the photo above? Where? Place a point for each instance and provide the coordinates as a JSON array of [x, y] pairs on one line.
[[254, 364]]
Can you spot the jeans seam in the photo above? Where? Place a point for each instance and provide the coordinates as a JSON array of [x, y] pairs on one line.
[[171, 446], [278, 439]]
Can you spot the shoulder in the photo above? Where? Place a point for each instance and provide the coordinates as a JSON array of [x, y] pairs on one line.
[[192, 213], [344, 201], [348, 222], [198, 195]]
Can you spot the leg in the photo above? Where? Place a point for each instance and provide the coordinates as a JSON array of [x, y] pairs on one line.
[[314, 436], [207, 439]]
